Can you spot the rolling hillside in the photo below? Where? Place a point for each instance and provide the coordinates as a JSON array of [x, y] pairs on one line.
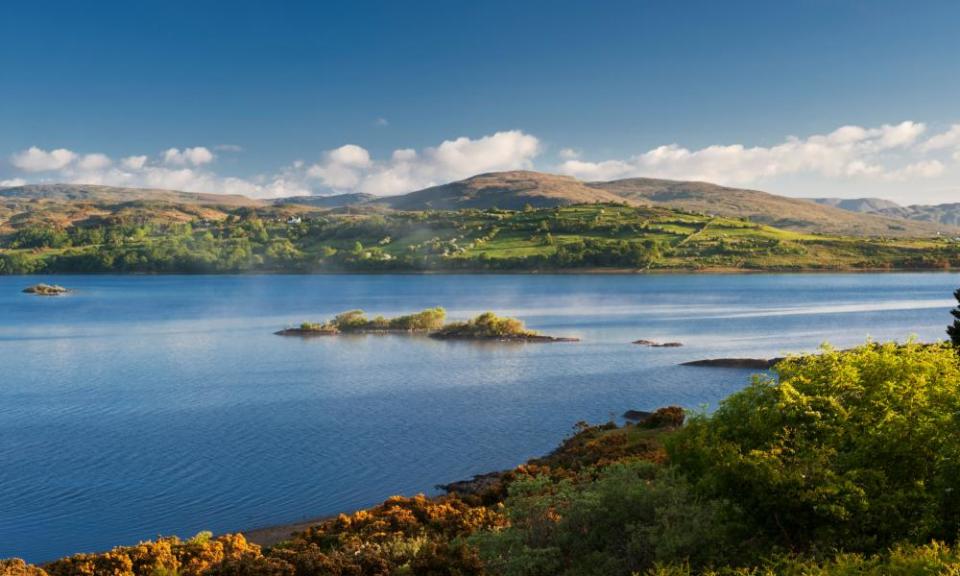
[[506, 190], [64, 205], [779, 211], [943, 214], [332, 201], [67, 204]]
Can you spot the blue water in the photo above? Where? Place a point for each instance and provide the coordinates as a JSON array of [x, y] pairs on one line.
[[139, 406]]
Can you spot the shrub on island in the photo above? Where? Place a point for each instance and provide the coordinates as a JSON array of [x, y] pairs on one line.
[[356, 321], [489, 326]]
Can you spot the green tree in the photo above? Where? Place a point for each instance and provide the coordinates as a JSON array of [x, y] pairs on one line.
[[954, 329]]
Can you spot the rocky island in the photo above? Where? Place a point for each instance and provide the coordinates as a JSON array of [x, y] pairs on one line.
[[356, 322], [653, 344], [45, 290], [489, 326]]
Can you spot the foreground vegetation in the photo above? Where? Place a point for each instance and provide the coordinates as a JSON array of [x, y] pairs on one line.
[[842, 463], [590, 236]]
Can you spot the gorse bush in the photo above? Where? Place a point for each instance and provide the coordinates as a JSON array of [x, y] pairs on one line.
[[629, 517], [848, 450]]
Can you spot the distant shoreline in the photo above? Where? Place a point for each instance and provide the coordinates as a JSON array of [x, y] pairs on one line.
[[505, 272]]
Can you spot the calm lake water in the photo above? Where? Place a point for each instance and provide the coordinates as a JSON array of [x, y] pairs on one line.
[[139, 406]]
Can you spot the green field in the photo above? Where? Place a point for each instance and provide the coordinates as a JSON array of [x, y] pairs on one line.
[[580, 237]]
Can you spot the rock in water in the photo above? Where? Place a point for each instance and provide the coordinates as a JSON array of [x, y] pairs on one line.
[[46, 290]]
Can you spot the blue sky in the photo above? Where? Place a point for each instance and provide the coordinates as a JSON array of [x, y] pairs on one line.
[[271, 98]]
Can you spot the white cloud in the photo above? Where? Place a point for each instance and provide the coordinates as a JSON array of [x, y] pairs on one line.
[[228, 148], [852, 160], [11, 182], [944, 140], [35, 159], [134, 162], [95, 161], [847, 152], [381, 122], [350, 167], [196, 156]]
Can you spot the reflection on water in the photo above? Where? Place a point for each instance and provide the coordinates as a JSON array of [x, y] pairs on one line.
[[146, 405]]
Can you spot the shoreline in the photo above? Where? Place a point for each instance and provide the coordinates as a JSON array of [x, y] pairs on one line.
[[274, 534], [533, 272]]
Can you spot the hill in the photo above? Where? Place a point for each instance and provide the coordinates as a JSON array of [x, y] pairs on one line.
[[333, 201], [869, 205], [111, 195], [942, 214], [506, 190], [761, 207], [66, 205]]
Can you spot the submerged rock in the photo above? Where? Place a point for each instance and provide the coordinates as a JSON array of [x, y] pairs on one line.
[[502, 337], [308, 332], [45, 290], [761, 363]]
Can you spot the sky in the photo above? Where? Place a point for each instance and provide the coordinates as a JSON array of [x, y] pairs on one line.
[[806, 98]]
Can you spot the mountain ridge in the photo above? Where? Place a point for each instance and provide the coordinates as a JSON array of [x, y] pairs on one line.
[[513, 190]]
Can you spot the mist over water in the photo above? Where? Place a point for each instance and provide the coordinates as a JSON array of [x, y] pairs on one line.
[[139, 406]]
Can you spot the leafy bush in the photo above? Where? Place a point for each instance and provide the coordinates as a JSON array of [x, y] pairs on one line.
[[487, 325], [627, 519], [851, 450]]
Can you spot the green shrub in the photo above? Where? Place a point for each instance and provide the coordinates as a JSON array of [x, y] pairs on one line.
[[631, 516], [851, 450]]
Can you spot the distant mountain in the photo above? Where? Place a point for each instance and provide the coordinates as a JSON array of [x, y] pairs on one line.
[[65, 204], [333, 201], [69, 204], [946, 214], [779, 211], [508, 190], [942, 214], [869, 205], [113, 195]]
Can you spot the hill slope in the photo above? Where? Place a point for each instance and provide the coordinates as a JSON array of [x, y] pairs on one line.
[[507, 190], [779, 211], [869, 205], [332, 201], [63, 205], [943, 214], [111, 195]]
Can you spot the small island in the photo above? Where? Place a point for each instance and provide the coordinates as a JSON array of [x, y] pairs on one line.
[[489, 326], [45, 290], [356, 322], [653, 344]]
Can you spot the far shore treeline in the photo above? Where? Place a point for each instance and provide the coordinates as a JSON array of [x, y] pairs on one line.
[[579, 237]]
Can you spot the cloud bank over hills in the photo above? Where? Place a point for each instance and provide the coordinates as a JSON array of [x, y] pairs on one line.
[[905, 161]]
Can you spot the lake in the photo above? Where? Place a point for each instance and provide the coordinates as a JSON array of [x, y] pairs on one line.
[[138, 406]]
